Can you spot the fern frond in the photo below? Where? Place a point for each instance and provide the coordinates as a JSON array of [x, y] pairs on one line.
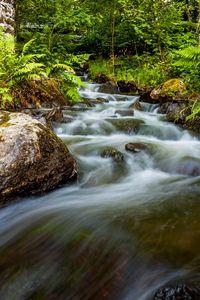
[[28, 68], [63, 66], [188, 57], [23, 59], [26, 46]]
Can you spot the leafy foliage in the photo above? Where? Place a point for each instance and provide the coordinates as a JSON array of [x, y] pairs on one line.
[[15, 68]]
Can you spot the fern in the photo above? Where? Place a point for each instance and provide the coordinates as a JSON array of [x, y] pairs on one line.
[[195, 111], [189, 57], [73, 94], [27, 46]]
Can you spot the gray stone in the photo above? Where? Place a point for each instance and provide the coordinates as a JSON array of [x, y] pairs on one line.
[[32, 158]]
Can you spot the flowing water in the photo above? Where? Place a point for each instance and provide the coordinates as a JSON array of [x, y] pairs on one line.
[[124, 230]]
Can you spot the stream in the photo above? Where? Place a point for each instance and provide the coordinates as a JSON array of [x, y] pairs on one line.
[[126, 229]]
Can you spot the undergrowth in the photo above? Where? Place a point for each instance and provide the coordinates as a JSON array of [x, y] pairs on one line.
[[144, 72]]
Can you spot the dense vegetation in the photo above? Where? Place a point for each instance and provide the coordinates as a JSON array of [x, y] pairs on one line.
[[143, 41]]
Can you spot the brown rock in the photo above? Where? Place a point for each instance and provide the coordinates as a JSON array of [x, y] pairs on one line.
[[112, 153], [32, 158], [136, 147], [136, 105], [171, 90], [126, 125], [125, 112]]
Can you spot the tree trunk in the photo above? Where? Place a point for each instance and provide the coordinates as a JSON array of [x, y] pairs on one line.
[[112, 35], [7, 15], [198, 23]]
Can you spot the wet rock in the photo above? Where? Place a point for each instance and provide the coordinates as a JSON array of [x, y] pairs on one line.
[[54, 115], [102, 100], [136, 105], [126, 125], [75, 108], [168, 107], [125, 112], [172, 89], [127, 86], [180, 116], [80, 105], [86, 102], [179, 292], [67, 119], [92, 102], [135, 147], [32, 158], [178, 113], [113, 153], [145, 94], [109, 88]]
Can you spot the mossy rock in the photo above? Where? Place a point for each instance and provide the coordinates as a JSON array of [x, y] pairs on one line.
[[32, 158], [126, 125], [113, 153], [43, 92], [171, 89]]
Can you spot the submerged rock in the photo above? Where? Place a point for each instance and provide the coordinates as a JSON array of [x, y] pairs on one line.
[[113, 153], [125, 112], [32, 158], [179, 292], [135, 147], [126, 125]]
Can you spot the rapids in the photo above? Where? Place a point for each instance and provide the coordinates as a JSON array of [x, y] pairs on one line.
[[124, 230]]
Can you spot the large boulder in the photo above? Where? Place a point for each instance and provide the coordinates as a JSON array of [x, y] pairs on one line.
[[37, 93], [172, 89], [32, 158]]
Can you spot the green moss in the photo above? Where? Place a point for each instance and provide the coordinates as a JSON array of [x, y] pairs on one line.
[[4, 118], [172, 86]]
